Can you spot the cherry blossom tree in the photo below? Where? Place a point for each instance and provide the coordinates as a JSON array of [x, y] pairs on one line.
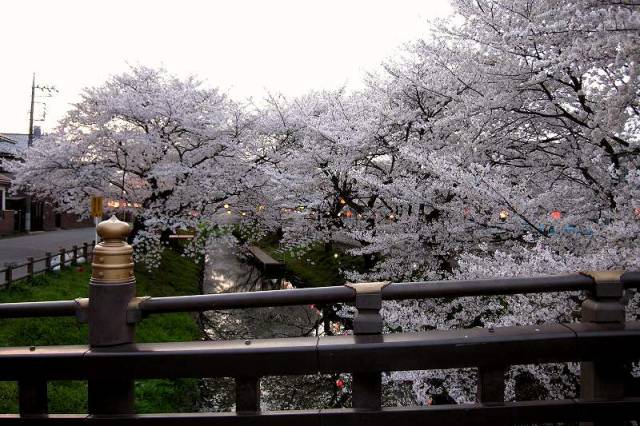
[[169, 148]]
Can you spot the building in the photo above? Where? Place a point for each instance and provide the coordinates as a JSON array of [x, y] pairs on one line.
[[21, 213]]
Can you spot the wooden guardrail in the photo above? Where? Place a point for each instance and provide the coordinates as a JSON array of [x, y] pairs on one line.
[[270, 267], [602, 342], [11, 273]]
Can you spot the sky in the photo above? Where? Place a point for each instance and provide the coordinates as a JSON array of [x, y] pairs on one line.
[[244, 47]]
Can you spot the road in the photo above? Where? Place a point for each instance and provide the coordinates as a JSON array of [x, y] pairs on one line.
[[17, 249]]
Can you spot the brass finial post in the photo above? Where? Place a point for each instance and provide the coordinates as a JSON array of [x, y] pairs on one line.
[[111, 289]]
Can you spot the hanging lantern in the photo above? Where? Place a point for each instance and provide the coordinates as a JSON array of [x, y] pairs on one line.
[[342, 201], [503, 215], [340, 383], [556, 214], [226, 206], [348, 213]]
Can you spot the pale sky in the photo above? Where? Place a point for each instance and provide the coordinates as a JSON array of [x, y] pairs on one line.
[[243, 47]]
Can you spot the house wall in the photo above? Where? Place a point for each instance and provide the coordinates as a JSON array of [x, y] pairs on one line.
[[6, 222], [71, 221]]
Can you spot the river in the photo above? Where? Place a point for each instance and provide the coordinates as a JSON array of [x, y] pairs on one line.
[[227, 270]]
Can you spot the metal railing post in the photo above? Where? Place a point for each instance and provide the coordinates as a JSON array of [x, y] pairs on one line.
[[30, 267], [74, 255], [603, 379], [491, 384], [85, 252], [247, 394], [367, 325], [32, 397], [111, 290]]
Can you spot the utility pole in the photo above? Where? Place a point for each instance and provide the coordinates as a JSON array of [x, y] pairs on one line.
[[49, 90], [27, 213], [33, 98]]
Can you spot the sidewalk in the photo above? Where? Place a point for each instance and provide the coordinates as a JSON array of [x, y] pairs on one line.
[[17, 249]]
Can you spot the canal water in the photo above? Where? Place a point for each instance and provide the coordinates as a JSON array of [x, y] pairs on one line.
[[227, 270]]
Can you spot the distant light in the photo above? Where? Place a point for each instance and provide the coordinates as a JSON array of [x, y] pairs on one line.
[[228, 211], [226, 206], [335, 255], [556, 214], [392, 216], [342, 201], [503, 215], [243, 214]]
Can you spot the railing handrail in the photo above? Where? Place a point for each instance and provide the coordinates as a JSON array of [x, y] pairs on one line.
[[426, 350], [328, 295]]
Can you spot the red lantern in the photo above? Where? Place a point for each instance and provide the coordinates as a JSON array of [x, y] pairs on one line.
[[555, 215], [340, 383]]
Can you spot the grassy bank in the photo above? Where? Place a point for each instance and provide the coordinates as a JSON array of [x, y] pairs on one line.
[[317, 266], [176, 276]]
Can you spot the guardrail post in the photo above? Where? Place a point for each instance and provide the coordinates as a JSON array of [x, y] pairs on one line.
[[8, 275], [62, 258], [47, 262], [247, 394], [30, 266], [111, 290], [603, 379], [85, 252], [74, 255], [367, 324]]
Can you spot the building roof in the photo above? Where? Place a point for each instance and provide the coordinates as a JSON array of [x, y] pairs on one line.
[[4, 180], [20, 140]]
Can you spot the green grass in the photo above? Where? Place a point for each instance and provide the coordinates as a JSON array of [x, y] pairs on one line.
[[176, 276], [316, 266]]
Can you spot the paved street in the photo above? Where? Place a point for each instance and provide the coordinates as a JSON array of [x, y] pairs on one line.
[[17, 249]]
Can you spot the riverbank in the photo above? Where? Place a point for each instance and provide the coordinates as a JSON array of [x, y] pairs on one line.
[[175, 276]]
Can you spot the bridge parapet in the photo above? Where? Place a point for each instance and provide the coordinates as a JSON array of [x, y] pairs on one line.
[[602, 342]]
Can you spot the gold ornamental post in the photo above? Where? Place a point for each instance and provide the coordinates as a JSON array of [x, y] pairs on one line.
[[111, 289], [113, 257]]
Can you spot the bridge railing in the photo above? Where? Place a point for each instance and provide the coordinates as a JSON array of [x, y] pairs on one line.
[[603, 342]]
